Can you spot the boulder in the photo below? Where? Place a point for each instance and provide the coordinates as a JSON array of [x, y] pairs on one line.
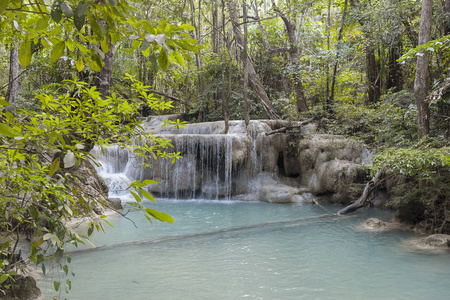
[[330, 164], [24, 288], [375, 224], [115, 203], [435, 241]]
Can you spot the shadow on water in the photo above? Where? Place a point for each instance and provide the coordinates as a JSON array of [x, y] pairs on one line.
[[287, 223]]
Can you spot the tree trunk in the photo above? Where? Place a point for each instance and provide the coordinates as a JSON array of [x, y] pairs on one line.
[[361, 202], [198, 57], [395, 74], [13, 82], [103, 80], [338, 49], [252, 76], [245, 57], [421, 80], [328, 102], [215, 32], [225, 109], [261, 27], [294, 58], [372, 77]]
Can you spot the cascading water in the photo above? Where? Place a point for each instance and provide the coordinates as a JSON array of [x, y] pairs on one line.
[[213, 165]]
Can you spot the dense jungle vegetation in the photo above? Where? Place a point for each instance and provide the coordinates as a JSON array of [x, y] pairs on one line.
[[80, 73]]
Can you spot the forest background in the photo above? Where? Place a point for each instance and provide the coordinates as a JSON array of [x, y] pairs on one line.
[[376, 71]]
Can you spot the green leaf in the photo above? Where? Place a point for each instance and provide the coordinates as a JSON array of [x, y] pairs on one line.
[[159, 215], [3, 5], [147, 195], [163, 60], [8, 131], [25, 53], [67, 9], [79, 20], [136, 197], [94, 25], [3, 102], [179, 58], [3, 278], [82, 8], [80, 64], [56, 284], [57, 51], [92, 64], [53, 167], [187, 27], [56, 12], [42, 24]]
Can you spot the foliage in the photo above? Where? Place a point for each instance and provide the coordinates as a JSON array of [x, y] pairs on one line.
[[387, 123], [40, 152], [84, 31], [424, 163]]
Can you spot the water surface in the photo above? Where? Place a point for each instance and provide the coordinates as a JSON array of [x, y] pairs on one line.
[[233, 250]]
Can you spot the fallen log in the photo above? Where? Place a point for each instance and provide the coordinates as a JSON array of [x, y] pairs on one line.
[[284, 129], [361, 202]]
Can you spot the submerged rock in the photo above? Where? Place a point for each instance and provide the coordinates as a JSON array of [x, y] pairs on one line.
[[376, 224], [435, 241]]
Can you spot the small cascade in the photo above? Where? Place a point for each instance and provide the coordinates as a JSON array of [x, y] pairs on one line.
[[245, 163], [213, 165]]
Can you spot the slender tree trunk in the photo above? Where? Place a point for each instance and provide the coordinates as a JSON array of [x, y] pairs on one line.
[[372, 78], [447, 11], [198, 57], [395, 74], [447, 29], [244, 61], [294, 58], [252, 76], [338, 50], [328, 102], [13, 82], [103, 81], [215, 33], [225, 109], [421, 80], [261, 27]]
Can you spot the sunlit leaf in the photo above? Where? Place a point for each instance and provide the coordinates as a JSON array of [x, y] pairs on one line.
[[25, 53], [57, 51]]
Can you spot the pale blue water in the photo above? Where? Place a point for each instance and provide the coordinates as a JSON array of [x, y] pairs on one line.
[[226, 250]]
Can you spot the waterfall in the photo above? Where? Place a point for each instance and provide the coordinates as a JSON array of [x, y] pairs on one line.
[[213, 165]]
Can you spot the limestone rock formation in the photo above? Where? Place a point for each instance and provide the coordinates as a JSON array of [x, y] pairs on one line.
[[301, 164]]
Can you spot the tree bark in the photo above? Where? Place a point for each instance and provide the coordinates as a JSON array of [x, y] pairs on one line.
[[198, 57], [372, 77], [421, 84], [395, 74], [261, 27], [245, 57], [215, 32], [13, 82], [103, 78], [252, 76], [225, 98], [294, 58], [361, 202], [338, 50]]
